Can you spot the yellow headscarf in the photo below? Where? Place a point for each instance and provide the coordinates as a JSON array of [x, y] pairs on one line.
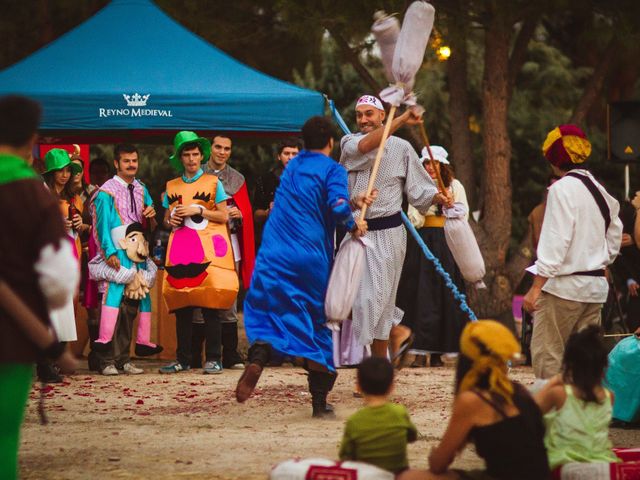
[[489, 345]]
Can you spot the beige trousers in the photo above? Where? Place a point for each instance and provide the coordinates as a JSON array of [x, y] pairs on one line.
[[554, 320]]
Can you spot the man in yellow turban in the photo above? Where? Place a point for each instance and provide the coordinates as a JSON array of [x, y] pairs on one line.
[[580, 237]]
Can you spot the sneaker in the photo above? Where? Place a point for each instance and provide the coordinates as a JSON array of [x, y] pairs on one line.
[[130, 369], [236, 366], [110, 370], [212, 367], [174, 367]]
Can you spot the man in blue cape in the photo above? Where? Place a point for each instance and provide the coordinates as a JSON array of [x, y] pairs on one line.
[[284, 308]]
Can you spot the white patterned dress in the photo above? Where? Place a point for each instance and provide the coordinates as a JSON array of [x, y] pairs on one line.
[[374, 310]]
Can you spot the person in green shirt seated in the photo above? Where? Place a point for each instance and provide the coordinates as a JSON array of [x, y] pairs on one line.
[[378, 433]]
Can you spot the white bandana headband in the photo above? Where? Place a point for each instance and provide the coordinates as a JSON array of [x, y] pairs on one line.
[[370, 100]]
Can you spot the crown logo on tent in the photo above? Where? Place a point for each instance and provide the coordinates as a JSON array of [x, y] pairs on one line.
[[136, 100]]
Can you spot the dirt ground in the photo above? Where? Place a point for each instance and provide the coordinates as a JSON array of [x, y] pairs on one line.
[[188, 425]]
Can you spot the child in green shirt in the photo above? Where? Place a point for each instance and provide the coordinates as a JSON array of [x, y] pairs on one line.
[[378, 433], [577, 406]]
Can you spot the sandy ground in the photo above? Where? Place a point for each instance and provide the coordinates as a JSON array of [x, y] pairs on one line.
[[188, 425]]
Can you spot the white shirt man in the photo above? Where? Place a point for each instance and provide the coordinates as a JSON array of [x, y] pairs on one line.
[[579, 239]]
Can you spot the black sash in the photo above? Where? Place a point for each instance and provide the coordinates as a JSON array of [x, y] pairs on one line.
[[384, 223], [592, 273], [597, 196]]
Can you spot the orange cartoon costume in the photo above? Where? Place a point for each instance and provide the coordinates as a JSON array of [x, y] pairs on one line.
[[200, 267]]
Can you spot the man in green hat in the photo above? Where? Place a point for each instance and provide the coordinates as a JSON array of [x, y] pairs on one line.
[[37, 265], [200, 268]]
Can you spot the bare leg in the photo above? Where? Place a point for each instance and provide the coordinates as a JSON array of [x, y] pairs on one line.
[[399, 334], [380, 348]]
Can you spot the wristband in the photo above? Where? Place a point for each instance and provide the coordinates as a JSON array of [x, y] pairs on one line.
[[55, 350]]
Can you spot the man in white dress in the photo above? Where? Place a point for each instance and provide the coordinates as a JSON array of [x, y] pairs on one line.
[[374, 311]]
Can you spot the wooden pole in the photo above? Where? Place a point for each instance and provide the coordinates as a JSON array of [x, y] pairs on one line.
[[613, 335], [425, 140], [376, 163]]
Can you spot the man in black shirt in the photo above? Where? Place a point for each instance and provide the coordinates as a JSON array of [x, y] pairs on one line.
[[267, 184]]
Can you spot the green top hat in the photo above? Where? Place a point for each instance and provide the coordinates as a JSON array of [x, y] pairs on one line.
[[181, 139], [57, 159]]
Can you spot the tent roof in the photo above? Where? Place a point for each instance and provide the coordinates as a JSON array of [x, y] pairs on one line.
[[131, 66]]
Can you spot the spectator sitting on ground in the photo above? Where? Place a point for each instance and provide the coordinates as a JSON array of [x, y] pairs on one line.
[[577, 407], [498, 415], [378, 433]]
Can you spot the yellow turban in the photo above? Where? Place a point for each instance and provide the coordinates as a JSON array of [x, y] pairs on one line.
[[566, 145], [489, 345]]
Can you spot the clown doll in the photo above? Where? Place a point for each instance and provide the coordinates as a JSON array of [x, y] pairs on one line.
[[133, 280]]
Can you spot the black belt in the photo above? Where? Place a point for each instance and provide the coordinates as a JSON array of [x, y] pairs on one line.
[[589, 273], [384, 223]]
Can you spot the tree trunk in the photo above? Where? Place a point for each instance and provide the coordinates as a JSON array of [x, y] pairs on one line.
[[520, 46], [461, 147], [495, 227], [594, 87]]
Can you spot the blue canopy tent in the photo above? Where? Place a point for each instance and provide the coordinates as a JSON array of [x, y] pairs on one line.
[[132, 71]]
